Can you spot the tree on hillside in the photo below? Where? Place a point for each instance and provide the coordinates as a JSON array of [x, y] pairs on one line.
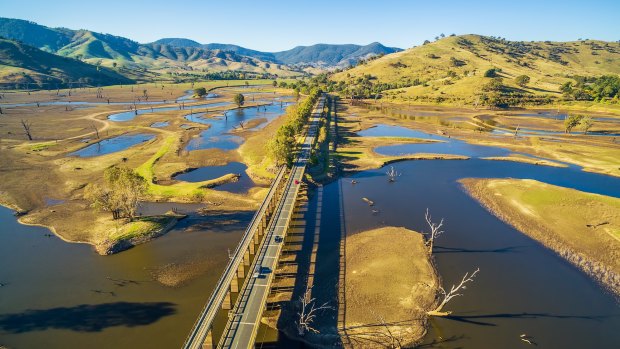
[[120, 193], [239, 99], [274, 83], [495, 85], [491, 73], [566, 88], [522, 80], [571, 122], [200, 92]]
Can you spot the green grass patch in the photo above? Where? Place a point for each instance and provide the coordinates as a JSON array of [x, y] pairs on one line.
[[142, 226]]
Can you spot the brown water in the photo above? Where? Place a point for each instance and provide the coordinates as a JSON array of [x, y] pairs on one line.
[[61, 295]]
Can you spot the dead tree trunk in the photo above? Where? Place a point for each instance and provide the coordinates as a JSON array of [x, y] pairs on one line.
[[454, 292], [95, 128], [435, 231], [307, 314], [27, 125]]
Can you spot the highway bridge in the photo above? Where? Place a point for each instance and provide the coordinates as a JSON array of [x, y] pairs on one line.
[[254, 259]]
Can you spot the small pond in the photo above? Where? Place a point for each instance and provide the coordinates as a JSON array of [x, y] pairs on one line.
[[112, 145], [244, 183]]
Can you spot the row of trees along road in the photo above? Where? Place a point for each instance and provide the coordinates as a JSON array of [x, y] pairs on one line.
[[282, 145]]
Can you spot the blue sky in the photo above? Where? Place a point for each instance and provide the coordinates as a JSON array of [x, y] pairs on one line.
[[271, 25]]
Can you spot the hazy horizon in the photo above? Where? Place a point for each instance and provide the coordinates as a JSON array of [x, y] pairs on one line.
[[276, 25]]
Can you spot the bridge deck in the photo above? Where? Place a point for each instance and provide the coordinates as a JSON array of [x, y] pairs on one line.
[[245, 319]]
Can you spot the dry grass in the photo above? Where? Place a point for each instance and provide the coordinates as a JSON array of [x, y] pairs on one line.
[[431, 63], [33, 171], [582, 227], [390, 285], [526, 160]]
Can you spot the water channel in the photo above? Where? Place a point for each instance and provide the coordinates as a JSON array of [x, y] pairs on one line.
[[61, 295]]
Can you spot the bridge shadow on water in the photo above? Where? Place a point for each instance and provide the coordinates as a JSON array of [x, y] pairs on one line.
[[318, 264], [87, 317]]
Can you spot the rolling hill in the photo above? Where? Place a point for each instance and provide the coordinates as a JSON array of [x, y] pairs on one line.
[[20, 63], [332, 55], [320, 55], [453, 68], [168, 57]]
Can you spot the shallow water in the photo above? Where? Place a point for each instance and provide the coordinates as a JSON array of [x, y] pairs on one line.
[[61, 295], [522, 286], [445, 145], [217, 135], [130, 115], [560, 116], [242, 185], [112, 145], [160, 124]]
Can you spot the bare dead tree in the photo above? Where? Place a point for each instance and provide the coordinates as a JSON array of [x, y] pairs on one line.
[[308, 311], [27, 125], [92, 124], [435, 231], [454, 292], [392, 174]]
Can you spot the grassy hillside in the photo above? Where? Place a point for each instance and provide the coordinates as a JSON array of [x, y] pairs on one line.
[[178, 42], [331, 55], [170, 58], [45, 38], [20, 63], [452, 69]]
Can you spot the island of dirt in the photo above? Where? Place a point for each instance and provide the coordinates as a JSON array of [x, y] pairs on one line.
[[390, 285], [583, 228]]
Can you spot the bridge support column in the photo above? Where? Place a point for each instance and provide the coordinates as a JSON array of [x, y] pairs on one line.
[[208, 343], [241, 271], [246, 258], [252, 246], [234, 285], [227, 304]]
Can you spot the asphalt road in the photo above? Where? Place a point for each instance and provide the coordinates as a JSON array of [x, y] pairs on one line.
[[244, 323]]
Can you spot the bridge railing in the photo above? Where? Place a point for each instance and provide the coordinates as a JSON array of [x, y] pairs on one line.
[[204, 322], [232, 324]]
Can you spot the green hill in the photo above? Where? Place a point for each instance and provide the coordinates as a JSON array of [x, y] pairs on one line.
[[137, 61], [331, 55], [33, 34], [453, 69], [20, 63], [178, 42]]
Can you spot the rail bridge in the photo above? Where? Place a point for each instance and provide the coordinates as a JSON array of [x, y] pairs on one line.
[[242, 290]]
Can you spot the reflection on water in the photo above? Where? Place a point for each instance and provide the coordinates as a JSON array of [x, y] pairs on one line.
[[522, 287], [383, 130], [61, 295], [446, 145], [160, 124], [216, 136], [130, 115], [112, 145], [242, 185]]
